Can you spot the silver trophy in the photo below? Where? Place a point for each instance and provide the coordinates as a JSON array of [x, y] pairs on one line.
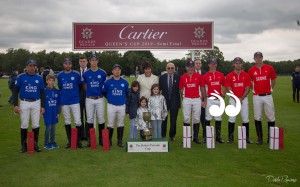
[[147, 131]]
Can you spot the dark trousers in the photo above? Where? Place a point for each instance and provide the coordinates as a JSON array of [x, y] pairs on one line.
[[173, 119], [10, 100], [296, 89], [84, 127]]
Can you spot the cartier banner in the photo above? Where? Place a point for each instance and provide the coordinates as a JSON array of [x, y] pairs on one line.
[[143, 36]]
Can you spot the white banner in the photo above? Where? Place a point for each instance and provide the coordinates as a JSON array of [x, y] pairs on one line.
[[151, 146]]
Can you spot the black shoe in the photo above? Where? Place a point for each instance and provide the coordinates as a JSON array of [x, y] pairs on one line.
[[68, 145], [220, 140], [197, 141], [248, 141], [172, 139], [120, 144], [79, 145], [259, 141]]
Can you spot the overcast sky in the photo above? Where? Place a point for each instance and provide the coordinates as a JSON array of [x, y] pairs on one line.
[[241, 27]]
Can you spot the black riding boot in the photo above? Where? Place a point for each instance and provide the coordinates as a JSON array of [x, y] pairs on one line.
[[204, 130], [247, 133], [100, 128], [218, 132], [111, 132], [196, 132], [89, 125], [270, 124], [259, 132], [207, 123], [68, 131], [230, 132], [36, 139], [23, 140], [79, 145], [120, 132]]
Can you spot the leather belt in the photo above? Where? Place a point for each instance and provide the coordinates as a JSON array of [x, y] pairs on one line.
[[94, 97], [29, 100], [264, 94]]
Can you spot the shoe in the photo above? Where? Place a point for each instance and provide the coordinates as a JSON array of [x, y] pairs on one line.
[[197, 141], [79, 145], [54, 145], [172, 139], [48, 146]]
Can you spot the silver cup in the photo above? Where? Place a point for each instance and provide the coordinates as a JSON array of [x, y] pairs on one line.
[[147, 131]]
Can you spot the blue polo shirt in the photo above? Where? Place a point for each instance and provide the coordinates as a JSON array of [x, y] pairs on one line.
[[116, 91], [94, 81], [30, 86], [52, 102], [68, 84]]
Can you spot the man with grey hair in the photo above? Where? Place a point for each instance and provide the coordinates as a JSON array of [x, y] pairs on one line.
[[169, 85]]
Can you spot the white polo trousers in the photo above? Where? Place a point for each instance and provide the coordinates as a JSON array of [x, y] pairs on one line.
[[266, 102], [30, 110], [191, 105], [115, 112], [75, 109], [244, 110], [95, 106]]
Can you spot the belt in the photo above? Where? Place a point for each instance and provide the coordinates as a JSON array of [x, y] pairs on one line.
[[29, 100], [94, 97], [264, 94]]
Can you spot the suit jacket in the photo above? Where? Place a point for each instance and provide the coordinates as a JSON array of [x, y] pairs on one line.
[[81, 89], [202, 72], [175, 100]]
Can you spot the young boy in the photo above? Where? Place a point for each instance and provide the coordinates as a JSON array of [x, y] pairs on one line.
[[51, 115]]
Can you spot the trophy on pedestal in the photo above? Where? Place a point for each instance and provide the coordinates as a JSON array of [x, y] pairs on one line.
[[147, 130]]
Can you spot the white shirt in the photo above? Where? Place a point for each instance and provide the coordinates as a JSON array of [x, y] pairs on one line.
[[146, 84]]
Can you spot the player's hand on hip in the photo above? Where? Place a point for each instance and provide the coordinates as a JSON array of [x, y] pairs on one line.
[[17, 109]]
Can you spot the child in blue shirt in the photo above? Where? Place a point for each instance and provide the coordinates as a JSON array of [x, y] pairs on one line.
[[51, 115]]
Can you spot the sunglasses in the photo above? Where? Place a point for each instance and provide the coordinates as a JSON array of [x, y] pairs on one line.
[[170, 68]]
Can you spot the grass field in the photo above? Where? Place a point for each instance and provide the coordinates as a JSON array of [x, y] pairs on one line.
[[223, 166]]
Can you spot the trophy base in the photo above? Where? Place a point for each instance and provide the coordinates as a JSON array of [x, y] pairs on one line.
[[147, 138]]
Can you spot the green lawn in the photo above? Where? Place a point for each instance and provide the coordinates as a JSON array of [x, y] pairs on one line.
[[223, 166]]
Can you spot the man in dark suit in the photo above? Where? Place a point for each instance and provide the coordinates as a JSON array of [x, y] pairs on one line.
[[169, 85], [83, 68], [198, 66]]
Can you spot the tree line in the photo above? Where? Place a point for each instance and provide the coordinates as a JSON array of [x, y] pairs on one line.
[[15, 59]]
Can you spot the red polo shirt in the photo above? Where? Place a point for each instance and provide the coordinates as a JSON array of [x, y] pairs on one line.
[[191, 85], [214, 81], [238, 82], [261, 78]]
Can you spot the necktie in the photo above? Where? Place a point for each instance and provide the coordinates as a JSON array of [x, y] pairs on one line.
[[170, 86]]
